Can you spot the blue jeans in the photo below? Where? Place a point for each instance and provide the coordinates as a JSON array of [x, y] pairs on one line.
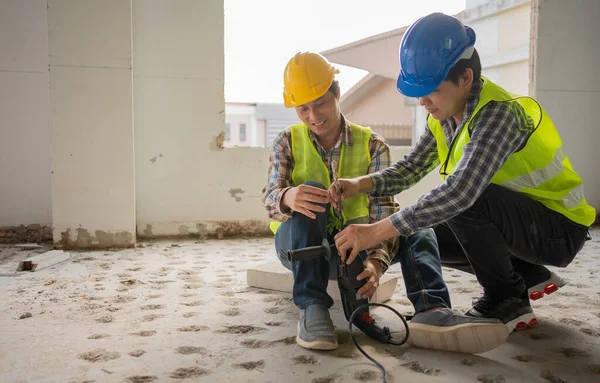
[[418, 256]]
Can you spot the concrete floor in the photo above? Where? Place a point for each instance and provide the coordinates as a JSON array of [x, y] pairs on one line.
[[170, 311]]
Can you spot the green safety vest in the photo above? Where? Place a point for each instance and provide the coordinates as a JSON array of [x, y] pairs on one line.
[[354, 162], [540, 170]]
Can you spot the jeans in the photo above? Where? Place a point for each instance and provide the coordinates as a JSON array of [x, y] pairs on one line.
[[418, 256], [505, 238]]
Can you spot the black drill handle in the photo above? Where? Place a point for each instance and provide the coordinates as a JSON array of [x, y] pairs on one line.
[[312, 252], [351, 301], [350, 272]]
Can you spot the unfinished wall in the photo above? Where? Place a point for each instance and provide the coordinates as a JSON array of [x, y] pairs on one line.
[[186, 183], [566, 81], [514, 76], [25, 193], [503, 39], [91, 118], [184, 177]]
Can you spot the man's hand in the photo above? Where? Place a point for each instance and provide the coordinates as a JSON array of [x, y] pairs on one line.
[[372, 274], [342, 189], [356, 238], [304, 199]]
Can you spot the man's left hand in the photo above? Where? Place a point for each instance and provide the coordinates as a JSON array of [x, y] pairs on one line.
[[372, 273]]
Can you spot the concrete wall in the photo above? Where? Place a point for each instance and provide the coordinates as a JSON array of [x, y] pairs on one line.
[[25, 192], [503, 39], [566, 81], [195, 185], [91, 117], [229, 200], [114, 64], [514, 76]]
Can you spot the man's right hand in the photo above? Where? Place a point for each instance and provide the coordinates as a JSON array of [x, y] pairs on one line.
[[342, 189], [303, 199]]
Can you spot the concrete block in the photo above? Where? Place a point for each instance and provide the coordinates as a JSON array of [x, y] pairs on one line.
[[41, 261], [89, 33], [93, 191], [273, 276], [166, 40]]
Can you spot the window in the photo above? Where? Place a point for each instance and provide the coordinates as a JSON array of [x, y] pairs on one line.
[[227, 132], [242, 132]]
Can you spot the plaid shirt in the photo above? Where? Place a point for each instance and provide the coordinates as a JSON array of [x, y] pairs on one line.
[[498, 130], [280, 180]]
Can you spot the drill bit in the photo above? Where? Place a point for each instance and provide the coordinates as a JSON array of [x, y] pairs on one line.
[[338, 210]]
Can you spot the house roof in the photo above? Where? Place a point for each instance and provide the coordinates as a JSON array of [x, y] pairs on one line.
[[360, 54], [358, 90], [377, 54]]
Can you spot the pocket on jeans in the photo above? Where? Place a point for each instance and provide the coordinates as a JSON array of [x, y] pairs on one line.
[[560, 252]]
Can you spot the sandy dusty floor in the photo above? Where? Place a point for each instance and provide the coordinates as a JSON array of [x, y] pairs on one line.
[[171, 311]]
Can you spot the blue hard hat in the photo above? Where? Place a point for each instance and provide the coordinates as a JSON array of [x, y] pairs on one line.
[[429, 49]]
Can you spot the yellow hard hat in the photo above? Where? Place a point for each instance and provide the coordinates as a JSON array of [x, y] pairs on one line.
[[307, 76]]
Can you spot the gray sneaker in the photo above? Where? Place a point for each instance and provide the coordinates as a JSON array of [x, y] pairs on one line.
[[446, 330], [315, 329]]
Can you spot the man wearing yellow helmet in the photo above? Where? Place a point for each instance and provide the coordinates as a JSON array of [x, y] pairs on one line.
[[304, 161], [510, 201]]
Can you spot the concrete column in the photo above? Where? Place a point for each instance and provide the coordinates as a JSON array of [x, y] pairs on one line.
[[186, 182], [566, 80], [25, 193], [93, 194]]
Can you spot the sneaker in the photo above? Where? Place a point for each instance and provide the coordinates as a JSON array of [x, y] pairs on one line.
[[547, 286], [516, 313], [315, 329], [446, 330]]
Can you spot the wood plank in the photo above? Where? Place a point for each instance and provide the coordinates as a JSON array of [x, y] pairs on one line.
[[42, 261]]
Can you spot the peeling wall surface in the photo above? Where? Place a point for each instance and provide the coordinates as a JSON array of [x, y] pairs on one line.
[[567, 83], [91, 117], [25, 192], [229, 211]]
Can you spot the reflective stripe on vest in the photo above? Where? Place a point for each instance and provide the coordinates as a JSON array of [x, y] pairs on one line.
[[540, 170], [539, 176], [354, 162]]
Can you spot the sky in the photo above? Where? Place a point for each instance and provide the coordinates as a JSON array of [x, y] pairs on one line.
[[262, 35]]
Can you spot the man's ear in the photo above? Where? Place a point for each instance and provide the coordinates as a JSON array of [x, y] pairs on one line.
[[467, 77]]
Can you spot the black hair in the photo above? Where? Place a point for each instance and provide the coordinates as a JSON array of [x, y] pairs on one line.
[[334, 88], [458, 70]]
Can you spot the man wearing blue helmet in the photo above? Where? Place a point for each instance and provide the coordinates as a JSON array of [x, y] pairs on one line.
[[510, 201]]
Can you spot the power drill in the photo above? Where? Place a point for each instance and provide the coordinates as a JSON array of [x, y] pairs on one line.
[[349, 286]]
